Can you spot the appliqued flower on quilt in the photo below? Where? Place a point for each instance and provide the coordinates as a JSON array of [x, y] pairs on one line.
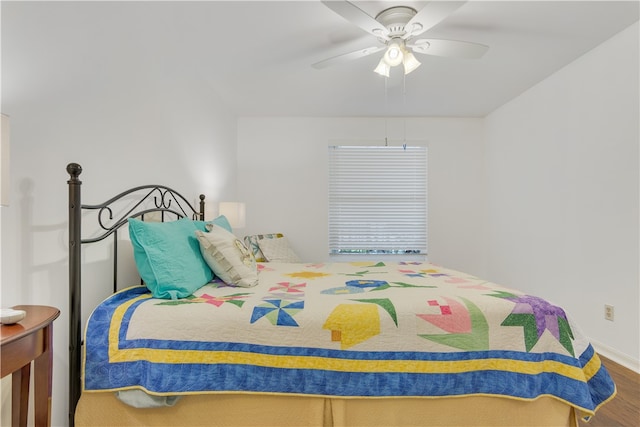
[[464, 325], [360, 286], [356, 287], [366, 283], [536, 316]]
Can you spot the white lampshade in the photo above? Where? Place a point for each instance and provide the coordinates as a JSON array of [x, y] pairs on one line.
[[394, 55], [4, 161], [410, 62], [235, 213], [383, 68], [397, 53]]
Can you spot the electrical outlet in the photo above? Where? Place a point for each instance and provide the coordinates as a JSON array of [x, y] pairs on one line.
[[608, 312]]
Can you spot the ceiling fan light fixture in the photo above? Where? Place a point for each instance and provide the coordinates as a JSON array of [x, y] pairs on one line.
[[394, 55], [410, 62], [383, 68], [396, 28]]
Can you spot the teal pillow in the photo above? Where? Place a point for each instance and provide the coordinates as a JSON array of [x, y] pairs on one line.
[[168, 258]]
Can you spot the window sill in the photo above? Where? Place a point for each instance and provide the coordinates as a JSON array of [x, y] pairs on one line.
[[377, 257]]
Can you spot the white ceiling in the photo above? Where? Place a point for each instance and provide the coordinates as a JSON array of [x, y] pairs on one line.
[[256, 56]]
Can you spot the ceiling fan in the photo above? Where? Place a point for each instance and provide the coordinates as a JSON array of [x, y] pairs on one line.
[[397, 28]]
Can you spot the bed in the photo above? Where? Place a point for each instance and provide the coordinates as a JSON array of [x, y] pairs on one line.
[[283, 342]]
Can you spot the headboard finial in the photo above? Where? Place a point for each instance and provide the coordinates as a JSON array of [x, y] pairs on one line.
[[201, 213], [74, 170]]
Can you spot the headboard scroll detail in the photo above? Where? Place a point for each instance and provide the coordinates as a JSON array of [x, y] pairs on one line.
[[146, 199]]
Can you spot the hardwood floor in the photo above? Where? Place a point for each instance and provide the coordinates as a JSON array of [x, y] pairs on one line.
[[624, 409]]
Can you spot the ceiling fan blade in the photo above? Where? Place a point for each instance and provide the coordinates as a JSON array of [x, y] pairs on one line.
[[347, 57], [357, 16], [450, 48], [430, 16]]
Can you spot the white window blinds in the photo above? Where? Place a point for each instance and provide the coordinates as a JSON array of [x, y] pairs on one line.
[[377, 200]]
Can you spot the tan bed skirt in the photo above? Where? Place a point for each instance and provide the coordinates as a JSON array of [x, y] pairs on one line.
[[104, 409]]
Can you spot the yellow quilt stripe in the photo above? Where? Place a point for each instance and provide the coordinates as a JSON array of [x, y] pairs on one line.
[[592, 367], [116, 321], [334, 364]]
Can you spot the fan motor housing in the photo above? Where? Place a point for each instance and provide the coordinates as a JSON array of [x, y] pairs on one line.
[[395, 18]]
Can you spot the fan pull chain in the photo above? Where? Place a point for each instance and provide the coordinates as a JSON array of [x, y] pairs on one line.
[[404, 109], [386, 107]]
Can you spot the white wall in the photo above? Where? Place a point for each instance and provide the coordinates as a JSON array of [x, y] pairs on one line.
[[282, 177], [562, 192], [124, 129]]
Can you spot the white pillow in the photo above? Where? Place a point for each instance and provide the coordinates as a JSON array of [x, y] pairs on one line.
[[229, 259], [277, 250]]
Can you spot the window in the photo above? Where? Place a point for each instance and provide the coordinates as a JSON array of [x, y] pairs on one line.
[[378, 200]]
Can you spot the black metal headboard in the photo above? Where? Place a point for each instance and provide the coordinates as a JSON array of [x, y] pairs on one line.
[[143, 200]]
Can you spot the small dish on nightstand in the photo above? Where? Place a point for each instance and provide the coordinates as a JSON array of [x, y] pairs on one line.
[[9, 316]]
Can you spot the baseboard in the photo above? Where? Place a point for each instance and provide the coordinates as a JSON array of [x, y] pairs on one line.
[[617, 356]]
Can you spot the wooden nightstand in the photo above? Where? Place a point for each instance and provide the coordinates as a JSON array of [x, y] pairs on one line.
[[21, 343]]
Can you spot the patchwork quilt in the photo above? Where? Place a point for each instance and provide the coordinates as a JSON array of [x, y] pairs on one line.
[[345, 330]]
